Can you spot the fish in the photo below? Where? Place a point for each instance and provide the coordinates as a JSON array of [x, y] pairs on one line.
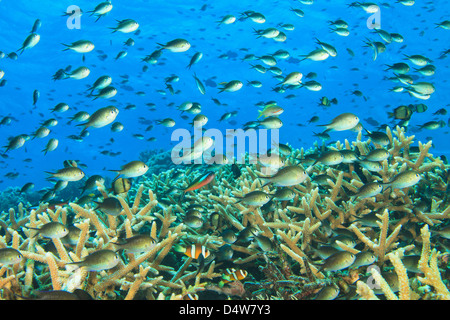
[[402, 112], [167, 122], [105, 93], [110, 206], [271, 122], [72, 237], [78, 74], [327, 47], [68, 174], [344, 121], [329, 292], [404, 179], [132, 169], [293, 78], [268, 33], [15, 143], [378, 137], [101, 9], [377, 155], [283, 194], [199, 84], [232, 274], [200, 182], [370, 189], [31, 41], [338, 261], [330, 158], [364, 258], [101, 117], [101, 83], [264, 243], [227, 19], [52, 144], [36, 26], [80, 46], [120, 185], [125, 26], [195, 251], [195, 59], [10, 256], [99, 260], [229, 236], [193, 221], [255, 198], [52, 230], [176, 45], [26, 187], [286, 177], [231, 86], [36, 95], [137, 244]]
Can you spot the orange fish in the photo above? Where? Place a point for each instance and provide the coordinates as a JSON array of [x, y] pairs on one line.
[[233, 275], [201, 181], [194, 251]]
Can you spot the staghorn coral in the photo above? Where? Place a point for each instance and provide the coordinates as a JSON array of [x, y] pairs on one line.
[[279, 244]]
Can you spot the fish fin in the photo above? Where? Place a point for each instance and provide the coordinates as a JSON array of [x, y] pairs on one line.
[[178, 248]]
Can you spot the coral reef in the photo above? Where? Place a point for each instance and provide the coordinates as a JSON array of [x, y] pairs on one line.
[[397, 236]]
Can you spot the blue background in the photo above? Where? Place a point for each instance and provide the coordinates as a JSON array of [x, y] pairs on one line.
[[162, 21]]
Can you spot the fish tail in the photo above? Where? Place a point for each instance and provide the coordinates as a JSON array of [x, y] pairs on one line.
[[260, 113], [178, 248]]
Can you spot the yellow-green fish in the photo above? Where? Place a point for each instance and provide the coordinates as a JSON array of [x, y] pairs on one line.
[[126, 26], [30, 42], [364, 258], [231, 86], [68, 174], [255, 198], [404, 179], [101, 9], [52, 144], [137, 244], [176, 45], [9, 256], [101, 117], [52, 230], [286, 176], [132, 169], [344, 121], [99, 260], [329, 292], [330, 158], [370, 189], [110, 205], [80, 46], [338, 261]]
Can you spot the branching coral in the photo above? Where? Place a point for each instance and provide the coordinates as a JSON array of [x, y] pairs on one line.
[[282, 245]]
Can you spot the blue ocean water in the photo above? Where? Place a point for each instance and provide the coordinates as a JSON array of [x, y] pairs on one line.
[[223, 47]]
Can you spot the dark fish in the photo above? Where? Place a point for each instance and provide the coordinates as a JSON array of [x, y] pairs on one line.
[[236, 171]]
